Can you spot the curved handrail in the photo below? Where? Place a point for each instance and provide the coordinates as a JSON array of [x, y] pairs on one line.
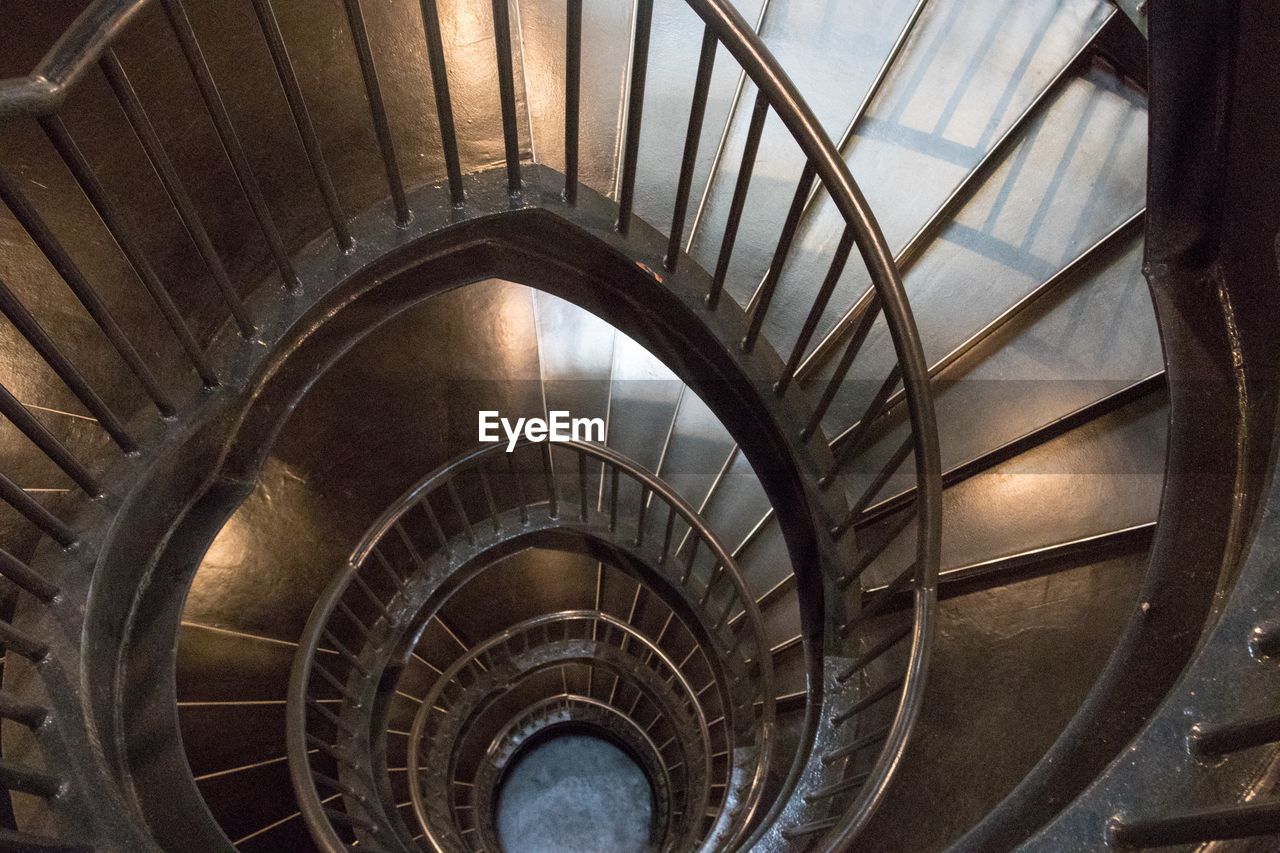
[[43, 91], [429, 702], [749, 50]]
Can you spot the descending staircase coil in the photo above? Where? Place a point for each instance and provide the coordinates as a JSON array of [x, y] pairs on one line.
[[390, 751], [90, 40]]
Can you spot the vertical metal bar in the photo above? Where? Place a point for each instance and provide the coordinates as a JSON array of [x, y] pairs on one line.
[[582, 485], [507, 93], [764, 295], [229, 138], [17, 777], [21, 575], [870, 555], [66, 267], [859, 437], [425, 503], [693, 555], [70, 153], [820, 301], [736, 206], [488, 496], [635, 110], [572, 96], [302, 119], [25, 322], [666, 538], [118, 80], [644, 507], [519, 487], [444, 101], [842, 369], [31, 716], [461, 510], [689, 160], [47, 442], [613, 497], [378, 110], [548, 470], [873, 488], [724, 135], [34, 513]]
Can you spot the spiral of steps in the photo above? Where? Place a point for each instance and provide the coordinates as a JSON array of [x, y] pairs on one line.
[[915, 518]]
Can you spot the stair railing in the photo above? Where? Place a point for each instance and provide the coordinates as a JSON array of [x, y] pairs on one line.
[[40, 97]]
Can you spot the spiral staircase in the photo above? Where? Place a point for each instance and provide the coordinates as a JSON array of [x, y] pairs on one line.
[[962, 540]]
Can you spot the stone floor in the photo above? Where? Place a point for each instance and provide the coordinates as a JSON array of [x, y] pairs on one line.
[[575, 794]]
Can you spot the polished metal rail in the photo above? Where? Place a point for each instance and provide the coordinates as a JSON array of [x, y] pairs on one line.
[[41, 95]]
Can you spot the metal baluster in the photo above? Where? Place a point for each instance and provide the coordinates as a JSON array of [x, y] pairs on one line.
[[688, 161], [17, 777], [118, 80], [693, 554], [444, 101], [666, 539], [22, 576], [230, 139], [31, 716], [866, 558], [18, 641], [33, 429], [378, 109], [26, 324], [874, 652], [613, 498], [880, 600], [764, 295], [488, 496], [816, 311], [67, 149], [644, 507], [549, 473], [859, 438], [425, 503], [519, 487], [572, 96], [884, 690], [35, 513], [737, 205], [507, 93], [886, 471], [452, 489], [302, 120], [48, 244], [842, 369], [635, 110]]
